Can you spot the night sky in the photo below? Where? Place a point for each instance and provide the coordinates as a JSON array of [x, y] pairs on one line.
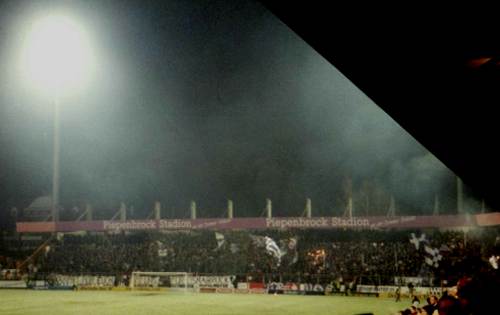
[[205, 101]]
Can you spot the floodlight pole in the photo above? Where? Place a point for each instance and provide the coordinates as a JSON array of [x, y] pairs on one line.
[[55, 166]]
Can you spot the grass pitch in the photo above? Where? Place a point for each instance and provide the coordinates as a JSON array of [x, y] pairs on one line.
[[109, 302]]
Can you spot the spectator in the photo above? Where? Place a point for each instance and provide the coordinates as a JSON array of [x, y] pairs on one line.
[[431, 304], [415, 301]]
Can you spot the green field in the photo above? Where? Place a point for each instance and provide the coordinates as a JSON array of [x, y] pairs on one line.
[[109, 302]]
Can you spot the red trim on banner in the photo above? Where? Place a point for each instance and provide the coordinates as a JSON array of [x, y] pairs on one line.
[[32, 227], [488, 219]]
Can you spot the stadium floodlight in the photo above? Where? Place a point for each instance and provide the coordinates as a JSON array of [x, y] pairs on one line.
[[56, 55], [56, 60]]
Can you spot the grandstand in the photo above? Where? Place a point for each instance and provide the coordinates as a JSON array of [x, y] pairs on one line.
[[316, 255], [338, 257]]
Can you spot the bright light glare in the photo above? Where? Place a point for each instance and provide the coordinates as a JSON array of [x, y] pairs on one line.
[[56, 56]]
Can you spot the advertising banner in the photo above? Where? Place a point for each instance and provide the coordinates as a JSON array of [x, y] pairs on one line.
[[256, 285], [381, 222], [13, 284]]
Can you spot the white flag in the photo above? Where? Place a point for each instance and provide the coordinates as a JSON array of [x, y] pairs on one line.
[[444, 248], [234, 248], [429, 261], [429, 250], [494, 261], [416, 241], [258, 240], [435, 256], [220, 239], [273, 249]]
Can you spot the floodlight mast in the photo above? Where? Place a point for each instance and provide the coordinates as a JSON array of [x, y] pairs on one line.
[[56, 59], [55, 166]]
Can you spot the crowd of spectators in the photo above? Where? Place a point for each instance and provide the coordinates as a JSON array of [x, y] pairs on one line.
[[332, 258], [416, 308], [367, 257], [474, 293]]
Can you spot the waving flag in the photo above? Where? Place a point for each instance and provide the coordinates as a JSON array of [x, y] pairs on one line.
[[434, 256], [272, 248], [416, 241], [444, 248], [258, 240], [270, 245], [494, 261], [219, 237], [429, 261], [234, 248], [162, 251], [288, 249], [429, 250]]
